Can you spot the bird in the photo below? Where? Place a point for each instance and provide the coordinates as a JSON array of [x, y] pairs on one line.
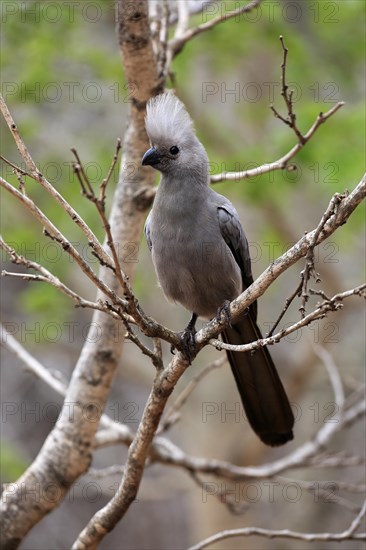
[[201, 258]]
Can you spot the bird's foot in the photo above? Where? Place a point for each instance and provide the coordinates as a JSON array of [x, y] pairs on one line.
[[188, 340], [224, 311]]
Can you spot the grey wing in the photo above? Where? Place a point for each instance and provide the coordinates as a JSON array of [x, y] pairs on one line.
[[234, 236], [147, 232]]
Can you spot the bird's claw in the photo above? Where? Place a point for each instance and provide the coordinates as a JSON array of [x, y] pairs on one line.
[[188, 343], [224, 310]]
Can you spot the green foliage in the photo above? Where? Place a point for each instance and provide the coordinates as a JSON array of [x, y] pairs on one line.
[[241, 60], [12, 466]]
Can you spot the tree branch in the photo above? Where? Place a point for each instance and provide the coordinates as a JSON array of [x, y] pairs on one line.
[[66, 453], [51, 231], [287, 95], [290, 121], [165, 452], [34, 173], [347, 205], [282, 162], [106, 518], [47, 277], [177, 43], [347, 534], [332, 304]]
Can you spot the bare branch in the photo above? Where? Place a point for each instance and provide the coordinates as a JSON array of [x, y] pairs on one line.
[[14, 167], [103, 185], [88, 192], [33, 365], [107, 517], [34, 173], [155, 357], [281, 264], [329, 305], [159, 32], [290, 120], [177, 43], [183, 19], [288, 302], [347, 534], [333, 373], [47, 277], [309, 270], [281, 163], [24, 153], [51, 230], [334, 460]]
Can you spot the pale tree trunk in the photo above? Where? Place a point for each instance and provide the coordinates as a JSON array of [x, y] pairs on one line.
[[66, 453]]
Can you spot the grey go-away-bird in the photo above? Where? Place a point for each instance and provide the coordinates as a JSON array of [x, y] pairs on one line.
[[202, 261]]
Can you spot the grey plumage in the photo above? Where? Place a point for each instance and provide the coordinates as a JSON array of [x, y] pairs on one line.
[[201, 258]]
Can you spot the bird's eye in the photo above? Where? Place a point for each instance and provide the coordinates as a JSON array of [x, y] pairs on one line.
[[174, 150]]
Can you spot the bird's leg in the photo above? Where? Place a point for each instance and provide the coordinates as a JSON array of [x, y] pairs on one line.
[[187, 337], [224, 310]]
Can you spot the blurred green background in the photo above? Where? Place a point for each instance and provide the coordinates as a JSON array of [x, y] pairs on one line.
[[63, 82]]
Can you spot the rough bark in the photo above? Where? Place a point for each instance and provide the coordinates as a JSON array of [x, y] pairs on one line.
[[66, 453]]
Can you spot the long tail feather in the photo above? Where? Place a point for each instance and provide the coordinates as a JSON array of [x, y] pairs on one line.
[[262, 393]]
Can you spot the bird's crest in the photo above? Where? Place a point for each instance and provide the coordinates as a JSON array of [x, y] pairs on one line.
[[167, 119]]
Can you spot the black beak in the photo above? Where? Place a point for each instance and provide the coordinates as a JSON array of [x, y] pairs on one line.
[[151, 157]]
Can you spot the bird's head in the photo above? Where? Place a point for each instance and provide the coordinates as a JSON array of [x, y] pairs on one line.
[[175, 148]]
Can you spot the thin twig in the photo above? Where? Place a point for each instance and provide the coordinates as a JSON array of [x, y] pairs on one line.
[[177, 43], [309, 270], [347, 534], [51, 230], [288, 302], [15, 167], [223, 494], [333, 374], [47, 277], [98, 473], [88, 192], [155, 358], [334, 460], [34, 173], [290, 120], [326, 490], [103, 185], [281, 163], [31, 362], [329, 305]]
